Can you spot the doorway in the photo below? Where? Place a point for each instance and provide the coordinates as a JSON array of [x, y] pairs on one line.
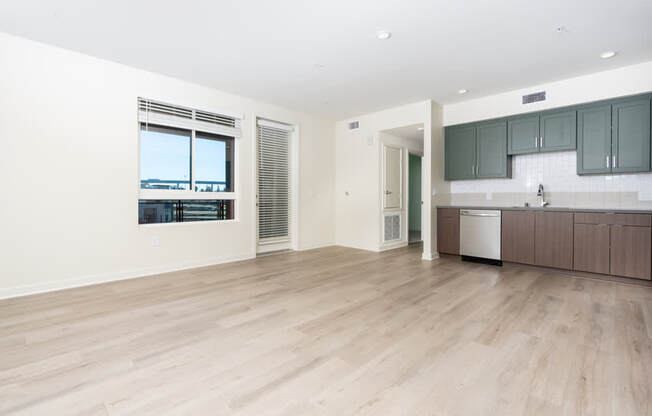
[[273, 180], [414, 198]]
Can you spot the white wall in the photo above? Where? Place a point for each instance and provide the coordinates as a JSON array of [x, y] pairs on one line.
[[598, 86], [434, 171], [69, 163], [358, 170]]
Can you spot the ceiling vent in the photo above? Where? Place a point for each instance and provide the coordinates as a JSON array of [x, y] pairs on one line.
[[533, 98], [354, 125]]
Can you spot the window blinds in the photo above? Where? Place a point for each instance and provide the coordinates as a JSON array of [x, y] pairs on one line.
[[273, 181], [156, 112]]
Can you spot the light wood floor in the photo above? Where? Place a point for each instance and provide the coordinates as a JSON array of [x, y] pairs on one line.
[[332, 331]]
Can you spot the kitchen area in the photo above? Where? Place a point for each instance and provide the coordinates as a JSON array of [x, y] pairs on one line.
[[566, 188]]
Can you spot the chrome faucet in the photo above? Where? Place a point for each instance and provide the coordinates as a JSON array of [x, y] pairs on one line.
[[540, 195]]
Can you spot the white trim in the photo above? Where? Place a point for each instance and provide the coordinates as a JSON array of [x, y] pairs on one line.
[[276, 125], [187, 223], [432, 256], [316, 246], [295, 190], [254, 182], [90, 280], [182, 194], [268, 247], [393, 245]]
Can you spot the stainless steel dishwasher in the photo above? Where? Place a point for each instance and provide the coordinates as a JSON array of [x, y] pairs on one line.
[[480, 235]]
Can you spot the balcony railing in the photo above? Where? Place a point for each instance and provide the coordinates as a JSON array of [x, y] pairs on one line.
[[200, 186]]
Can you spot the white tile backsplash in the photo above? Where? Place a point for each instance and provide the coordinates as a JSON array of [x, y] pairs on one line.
[[557, 172]]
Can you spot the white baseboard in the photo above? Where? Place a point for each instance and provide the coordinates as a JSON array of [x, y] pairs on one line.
[[314, 246], [393, 246], [24, 290], [430, 257]]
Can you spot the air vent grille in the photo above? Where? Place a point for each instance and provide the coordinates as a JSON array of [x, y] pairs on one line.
[[392, 227], [535, 97], [354, 125]]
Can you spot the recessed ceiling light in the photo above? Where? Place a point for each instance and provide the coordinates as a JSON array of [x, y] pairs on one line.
[[462, 91], [383, 34], [420, 128], [561, 29], [607, 54]]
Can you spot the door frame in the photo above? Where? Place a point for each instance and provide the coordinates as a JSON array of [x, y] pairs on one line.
[[294, 185]]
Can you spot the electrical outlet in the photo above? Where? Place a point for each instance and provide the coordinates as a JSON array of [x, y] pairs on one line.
[[155, 242]]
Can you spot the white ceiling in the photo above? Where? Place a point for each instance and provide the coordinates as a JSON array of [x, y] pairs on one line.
[[408, 132], [322, 57]]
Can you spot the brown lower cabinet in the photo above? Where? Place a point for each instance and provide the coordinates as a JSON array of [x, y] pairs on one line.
[[517, 237], [540, 238], [591, 248], [631, 251], [553, 239], [448, 230], [616, 244], [598, 242]]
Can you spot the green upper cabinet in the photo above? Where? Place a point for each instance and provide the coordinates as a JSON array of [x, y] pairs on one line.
[[523, 135], [594, 139], [459, 151], [630, 140], [476, 150], [614, 137], [548, 131], [558, 130], [610, 136], [492, 160]]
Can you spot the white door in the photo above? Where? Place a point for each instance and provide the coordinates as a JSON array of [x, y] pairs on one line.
[[392, 177], [273, 197]]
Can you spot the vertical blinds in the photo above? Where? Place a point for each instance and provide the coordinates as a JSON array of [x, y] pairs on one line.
[[273, 181]]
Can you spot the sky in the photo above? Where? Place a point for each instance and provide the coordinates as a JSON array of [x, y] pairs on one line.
[[167, 157]]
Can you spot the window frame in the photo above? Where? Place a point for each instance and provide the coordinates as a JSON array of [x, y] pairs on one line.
[[140, 149], [190, 194], [193, 175]]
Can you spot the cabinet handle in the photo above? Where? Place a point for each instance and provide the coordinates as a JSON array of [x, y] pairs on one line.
[[541, 141], [607, 161], [536, 141], [613, 161]]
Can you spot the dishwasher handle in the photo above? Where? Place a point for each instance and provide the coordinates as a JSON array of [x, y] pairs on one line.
[[468, 213]]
